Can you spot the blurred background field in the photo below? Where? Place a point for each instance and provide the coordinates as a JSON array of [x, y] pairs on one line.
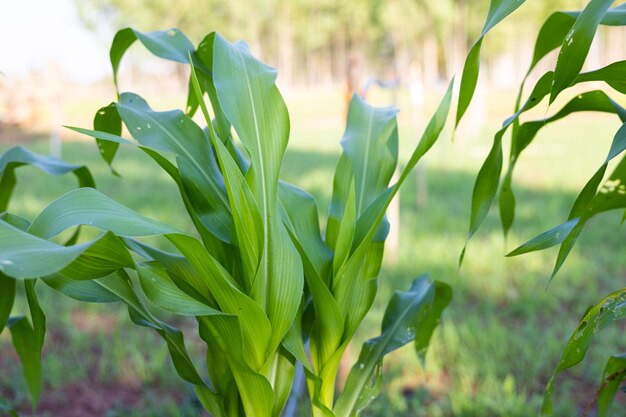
[[502, 335]]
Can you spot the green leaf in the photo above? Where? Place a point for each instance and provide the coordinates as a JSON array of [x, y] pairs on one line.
[[26, 344], [86, 206], [86, 291], [218, 248], [590, 202], [7, 298], [17, 249], [107, 119], [205, 78], [300, 215], [247, 220], [174, 132], [37, 316], [608, 310], [19, 156], [547, 239], [254, 322], [614, 374], [410, 316], [161, 290], [169, 44], [370, 140], [551, 36], [488, 179], [576, 44], [612, 74], [498, 11], [251, 101], [469, 80], [355, 285], [255, 390]]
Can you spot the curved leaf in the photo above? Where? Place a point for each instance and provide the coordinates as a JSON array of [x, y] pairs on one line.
[[410, 316], [498, 11], [614, 374], [610, 309], [19, 156], [576, 45], [87, 206], [169, 44]]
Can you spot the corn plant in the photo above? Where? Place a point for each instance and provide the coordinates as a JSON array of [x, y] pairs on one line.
[[267, 287], [572, 33]]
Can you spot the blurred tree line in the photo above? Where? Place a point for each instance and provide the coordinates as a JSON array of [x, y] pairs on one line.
[[316, 41]]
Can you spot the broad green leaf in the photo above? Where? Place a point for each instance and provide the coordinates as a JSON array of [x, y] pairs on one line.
[[554, 30], [19, 156], [161, 291], [282, 371], [355, 285], [205, 56], [254, 322], [300, 216], [345, 232], [614, 374], [86, 206], [174, 132], [17, 249], [373, 216], [410, 316], [251, 101], [612, 74], [576, 45], [107, 119], [551, 36], [86, 291], [370, 140], [255, 390], [218, 248], [37, 316], [604, 313], [169, 44], [7, 298], [26, 344], [249, 229]]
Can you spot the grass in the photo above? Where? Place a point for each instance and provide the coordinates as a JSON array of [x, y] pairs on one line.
[[501, 337]]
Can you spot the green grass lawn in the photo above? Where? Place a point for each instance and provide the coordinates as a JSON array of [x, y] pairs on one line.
[[500, 338]]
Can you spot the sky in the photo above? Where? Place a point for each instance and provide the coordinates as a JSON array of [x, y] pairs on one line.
[[37, 33]]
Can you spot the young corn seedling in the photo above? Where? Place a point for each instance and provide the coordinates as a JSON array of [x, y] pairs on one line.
[[267, 287]]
